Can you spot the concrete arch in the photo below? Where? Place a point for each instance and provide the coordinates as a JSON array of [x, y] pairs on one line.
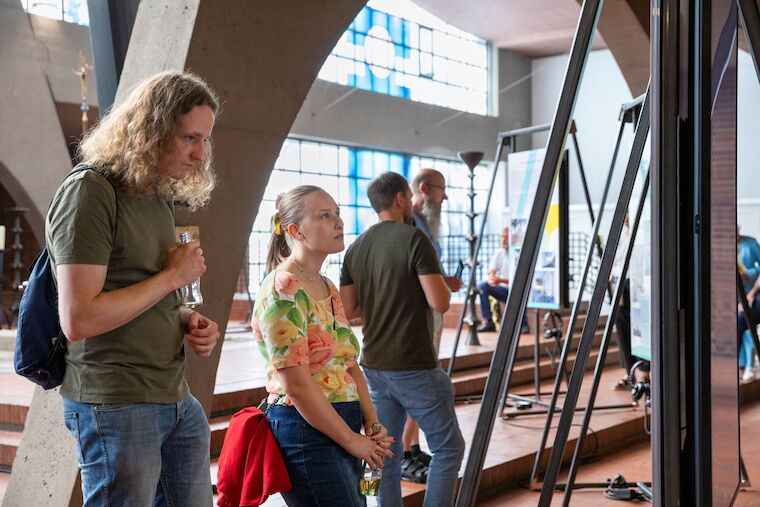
[[32, 147], [262, 59], [624, 24]]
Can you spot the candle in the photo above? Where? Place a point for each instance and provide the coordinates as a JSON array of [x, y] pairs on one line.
[[2, 237]]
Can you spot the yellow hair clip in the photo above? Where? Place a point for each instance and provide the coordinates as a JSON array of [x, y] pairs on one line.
[[277, 225]]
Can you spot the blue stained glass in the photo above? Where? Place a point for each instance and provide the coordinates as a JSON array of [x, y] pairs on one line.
[[351, 78], [380, 19], [366, 216], [362, 21], [353, 165], [363, 79], [364, 164], [407, 166], [361, 187], [350, 224], [382, 162], [397, 164], [395, 90], [441, 43], [396, 30], [381, 85]]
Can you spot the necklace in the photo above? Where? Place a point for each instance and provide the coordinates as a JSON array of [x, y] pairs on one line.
[[324, 281], [304, 272]]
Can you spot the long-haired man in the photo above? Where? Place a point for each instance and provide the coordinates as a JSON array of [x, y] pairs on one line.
[[142, 438]]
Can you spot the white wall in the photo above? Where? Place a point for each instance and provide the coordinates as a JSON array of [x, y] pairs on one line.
[[602, 92], [748, 148]]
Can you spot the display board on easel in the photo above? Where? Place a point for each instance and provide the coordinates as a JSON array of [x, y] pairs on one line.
[[640, 276], [550, 279]]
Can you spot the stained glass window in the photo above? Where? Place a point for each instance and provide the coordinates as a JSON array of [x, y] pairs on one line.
[[396, 48], [71, 11], [345, 172]]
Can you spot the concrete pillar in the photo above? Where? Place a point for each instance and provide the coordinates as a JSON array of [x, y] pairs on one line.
[[33, 160], [33, 154], [261, 57]]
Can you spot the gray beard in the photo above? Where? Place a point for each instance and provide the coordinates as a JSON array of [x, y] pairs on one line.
[[432, 216]]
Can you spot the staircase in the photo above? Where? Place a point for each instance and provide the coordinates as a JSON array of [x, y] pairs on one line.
[[241, 380]]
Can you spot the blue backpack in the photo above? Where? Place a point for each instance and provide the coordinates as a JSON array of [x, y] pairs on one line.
[[40, 353]]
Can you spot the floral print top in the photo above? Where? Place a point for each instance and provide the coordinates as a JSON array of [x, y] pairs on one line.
[[292, 329]]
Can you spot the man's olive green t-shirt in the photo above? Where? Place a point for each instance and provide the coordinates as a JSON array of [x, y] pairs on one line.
[[384, 264], [90, 222]]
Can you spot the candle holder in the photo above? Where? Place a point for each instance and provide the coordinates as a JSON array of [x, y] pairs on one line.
[[471, 160], [5, 318], [17, 265]]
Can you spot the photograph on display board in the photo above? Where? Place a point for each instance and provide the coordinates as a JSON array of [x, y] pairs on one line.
[[548, 289]]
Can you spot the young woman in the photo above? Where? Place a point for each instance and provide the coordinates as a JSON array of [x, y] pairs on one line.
[[321, 401]]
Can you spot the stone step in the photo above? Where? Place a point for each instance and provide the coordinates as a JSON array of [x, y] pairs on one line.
[[9, 440], [472, 382], [511, 454], [466, 383]]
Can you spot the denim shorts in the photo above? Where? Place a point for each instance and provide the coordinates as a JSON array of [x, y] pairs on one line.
[[321, 471]]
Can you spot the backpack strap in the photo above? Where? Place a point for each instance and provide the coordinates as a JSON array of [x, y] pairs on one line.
[[84, 166]]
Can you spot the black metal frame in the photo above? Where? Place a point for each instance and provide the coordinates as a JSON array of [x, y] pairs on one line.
[[509, 138], [569, 486], [507, 343], [629, 112], [594, 309], [669, 61]]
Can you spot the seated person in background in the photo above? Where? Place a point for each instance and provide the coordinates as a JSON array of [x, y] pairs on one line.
[[496, 285]]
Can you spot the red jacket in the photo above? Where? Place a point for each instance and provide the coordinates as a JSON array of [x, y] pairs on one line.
[[250, 466]]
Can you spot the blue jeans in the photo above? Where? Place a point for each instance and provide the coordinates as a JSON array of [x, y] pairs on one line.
[[500, 292], [142, 454], [321, 471], [428, 397]]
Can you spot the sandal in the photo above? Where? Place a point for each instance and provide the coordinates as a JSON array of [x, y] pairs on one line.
[[414, 471], [622, 385]]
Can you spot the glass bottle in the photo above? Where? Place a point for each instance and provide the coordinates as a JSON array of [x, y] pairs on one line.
[[369, 484], [190, 294]]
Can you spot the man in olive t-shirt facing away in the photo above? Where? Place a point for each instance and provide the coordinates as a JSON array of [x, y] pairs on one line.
[[142, 438], [391, 277]]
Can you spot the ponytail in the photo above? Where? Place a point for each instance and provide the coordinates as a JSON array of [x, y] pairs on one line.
[[278, 245]]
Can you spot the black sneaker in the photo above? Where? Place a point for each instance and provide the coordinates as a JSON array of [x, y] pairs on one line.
[[486, 327]]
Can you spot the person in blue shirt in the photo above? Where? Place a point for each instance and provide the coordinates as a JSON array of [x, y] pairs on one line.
[[748, 253], [748, 260]]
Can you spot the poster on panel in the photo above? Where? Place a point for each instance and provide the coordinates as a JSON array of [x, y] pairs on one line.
[[640, 272], [547, 289]]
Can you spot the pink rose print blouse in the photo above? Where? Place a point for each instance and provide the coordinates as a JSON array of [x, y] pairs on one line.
[[292, 329]]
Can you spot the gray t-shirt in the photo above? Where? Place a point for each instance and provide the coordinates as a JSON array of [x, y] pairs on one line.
[[384, 264], [143, 360]]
